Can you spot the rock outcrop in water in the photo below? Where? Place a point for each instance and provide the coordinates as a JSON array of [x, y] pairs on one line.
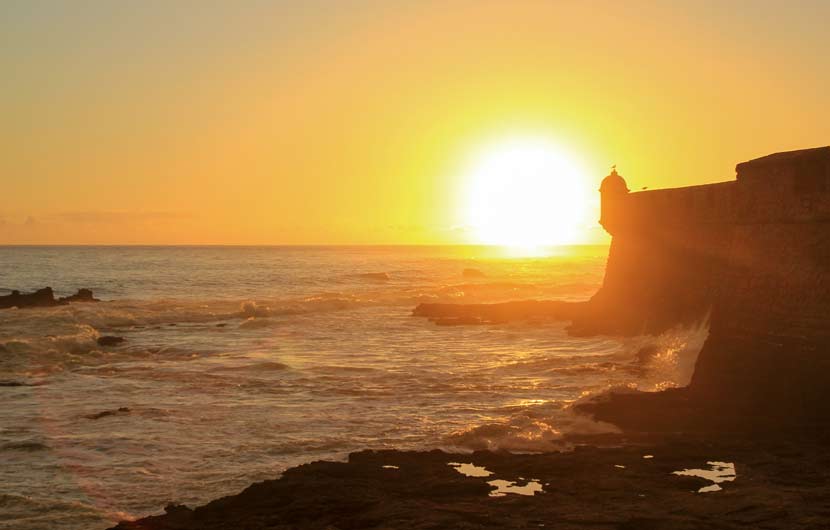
[[472, 273], [44, 298], [110, 340]]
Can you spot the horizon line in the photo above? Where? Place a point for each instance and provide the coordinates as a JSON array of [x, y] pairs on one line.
[[284, 245]]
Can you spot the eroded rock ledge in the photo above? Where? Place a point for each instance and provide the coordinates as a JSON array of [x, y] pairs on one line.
[[778, 484]]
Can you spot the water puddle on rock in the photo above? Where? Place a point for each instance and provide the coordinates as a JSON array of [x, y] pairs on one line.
[[470, 470], [719, 472], [503, 487]]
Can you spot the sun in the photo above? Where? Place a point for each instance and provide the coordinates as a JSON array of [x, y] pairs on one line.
[[525, 193]]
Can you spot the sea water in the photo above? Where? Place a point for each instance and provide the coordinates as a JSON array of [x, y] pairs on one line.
[[239, 362]]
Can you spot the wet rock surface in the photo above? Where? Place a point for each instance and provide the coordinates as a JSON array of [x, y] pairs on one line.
[[777, 484], [459, 314], [83, 295]]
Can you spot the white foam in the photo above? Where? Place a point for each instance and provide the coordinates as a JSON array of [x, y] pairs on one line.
[[253, 310]]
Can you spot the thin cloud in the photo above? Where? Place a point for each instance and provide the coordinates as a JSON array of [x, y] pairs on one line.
[[115, 217]]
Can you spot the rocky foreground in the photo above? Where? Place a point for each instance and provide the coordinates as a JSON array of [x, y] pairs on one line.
[[613, 483]]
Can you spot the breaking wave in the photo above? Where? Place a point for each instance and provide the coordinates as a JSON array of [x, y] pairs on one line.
[[643, 364]]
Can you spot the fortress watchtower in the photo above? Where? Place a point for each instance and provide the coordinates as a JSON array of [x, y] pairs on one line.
[[613, 190]]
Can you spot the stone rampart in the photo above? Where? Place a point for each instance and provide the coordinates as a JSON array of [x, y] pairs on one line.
[[754, 253]]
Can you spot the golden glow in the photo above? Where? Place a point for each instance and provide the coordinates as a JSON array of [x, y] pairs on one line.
[[343, 122], [526, 193]]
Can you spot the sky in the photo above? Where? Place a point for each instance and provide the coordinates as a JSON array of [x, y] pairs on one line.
[[352, 121]]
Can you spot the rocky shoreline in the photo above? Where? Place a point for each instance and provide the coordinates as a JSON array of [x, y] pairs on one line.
[[619, 482]]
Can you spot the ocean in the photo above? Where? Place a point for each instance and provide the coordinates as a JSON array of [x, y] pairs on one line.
[[240, 362]]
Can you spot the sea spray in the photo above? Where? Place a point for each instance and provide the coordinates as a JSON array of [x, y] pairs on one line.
[[647, 363]]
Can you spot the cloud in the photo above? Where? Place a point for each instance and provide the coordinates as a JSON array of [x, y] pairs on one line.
[[116, 217], [95, 227]]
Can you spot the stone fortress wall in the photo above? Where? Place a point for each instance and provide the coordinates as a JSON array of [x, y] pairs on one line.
[[753, 253]]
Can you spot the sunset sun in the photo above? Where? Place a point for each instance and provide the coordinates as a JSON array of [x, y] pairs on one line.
[[525, 193]]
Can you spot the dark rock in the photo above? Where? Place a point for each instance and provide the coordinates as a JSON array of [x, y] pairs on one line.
[[647, 353], [472, 273], [25, 445], [105, 413], [110, 340], [15, 383], [582, 489], [375, 276], [174, 509], [43, 298], [83, 295]]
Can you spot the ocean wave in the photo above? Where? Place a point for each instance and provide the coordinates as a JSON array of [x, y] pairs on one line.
[[667, 360], [641, 364], [17, 383], [27, 511], [530, 432], [76, 339], [257, 323], [112, 316], [268, 366], [251, 309], [24, 445], [372, 276]]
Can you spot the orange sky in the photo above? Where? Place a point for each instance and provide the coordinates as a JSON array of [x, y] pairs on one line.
[[351, 122]]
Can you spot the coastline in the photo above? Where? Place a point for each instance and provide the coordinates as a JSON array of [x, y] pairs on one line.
[[621, 482]]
